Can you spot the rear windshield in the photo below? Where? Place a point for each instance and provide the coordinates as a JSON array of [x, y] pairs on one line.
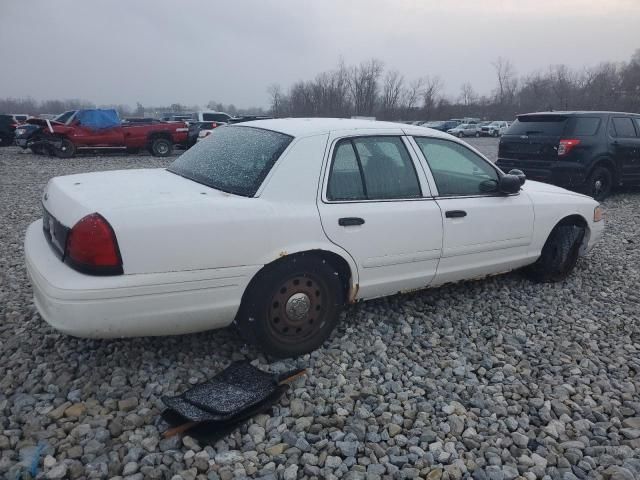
[[233, 159], [582, 126], [548, 125]]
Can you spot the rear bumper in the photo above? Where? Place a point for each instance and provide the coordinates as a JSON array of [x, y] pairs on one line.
[[563, 174], [130, 305]]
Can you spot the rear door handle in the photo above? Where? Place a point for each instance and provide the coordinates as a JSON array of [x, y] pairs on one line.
[[350, 221], [455, 214]]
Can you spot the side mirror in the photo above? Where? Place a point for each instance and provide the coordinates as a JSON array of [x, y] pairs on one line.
[[518, 173], [509, 184]]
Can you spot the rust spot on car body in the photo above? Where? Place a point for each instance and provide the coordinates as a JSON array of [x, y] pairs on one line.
[[353, 293]]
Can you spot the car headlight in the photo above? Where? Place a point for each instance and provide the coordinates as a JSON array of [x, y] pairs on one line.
[[21, 131], [598, 214]]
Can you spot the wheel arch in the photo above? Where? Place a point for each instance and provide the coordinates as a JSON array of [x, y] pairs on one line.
[[579, 221], [343, 264], [607, 162], [154, 135]]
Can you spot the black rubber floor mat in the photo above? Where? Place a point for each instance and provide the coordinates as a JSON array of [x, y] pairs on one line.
[[211, 431], [233, 391]]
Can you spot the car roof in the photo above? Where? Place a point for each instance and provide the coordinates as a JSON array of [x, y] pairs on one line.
[[577, 112], [302, 127]]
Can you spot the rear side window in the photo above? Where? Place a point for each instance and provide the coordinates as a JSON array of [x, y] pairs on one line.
[[623, 127], [214, 117], [372, 168], [544, 125], [233, 159], [583, 126]]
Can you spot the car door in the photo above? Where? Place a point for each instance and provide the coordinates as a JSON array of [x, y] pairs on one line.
[[483, 232], [377, 206], [626, 148]]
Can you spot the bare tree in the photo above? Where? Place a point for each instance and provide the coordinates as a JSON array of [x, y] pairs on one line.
[[411, 97], [391, 97], [507, 83], [275, 94], [364, 86], [430, 94], [468, 96]]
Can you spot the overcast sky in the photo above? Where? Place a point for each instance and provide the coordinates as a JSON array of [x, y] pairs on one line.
[[162, 51]]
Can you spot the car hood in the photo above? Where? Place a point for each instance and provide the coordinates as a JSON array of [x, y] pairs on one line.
[[71, 197], [531, 186]]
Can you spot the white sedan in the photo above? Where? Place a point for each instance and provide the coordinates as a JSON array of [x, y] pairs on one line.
[[274, 225]]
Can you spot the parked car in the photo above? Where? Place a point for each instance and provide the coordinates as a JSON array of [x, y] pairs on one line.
[[212, 116], [274, 225], [248, 118], [7, 130], [592, 152], [99, 129], [20, 117], [442, 126], [205, 128], [177, 117], [464, 130], [494, 129]]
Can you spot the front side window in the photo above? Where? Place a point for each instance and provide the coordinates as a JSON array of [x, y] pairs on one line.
[[623, 127], [234, 159], [372, 168], [457, 170]]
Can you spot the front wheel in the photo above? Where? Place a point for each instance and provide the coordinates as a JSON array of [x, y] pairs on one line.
[[559, 255], [477, 134], [292, 307], [599, 184], [66, 149], [460, 134], [161, 147]]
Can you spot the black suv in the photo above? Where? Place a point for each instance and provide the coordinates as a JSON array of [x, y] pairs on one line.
[[591, 152]]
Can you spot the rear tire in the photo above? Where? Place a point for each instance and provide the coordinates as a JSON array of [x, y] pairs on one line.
[[67, 149], [161, 147], [599, 184], [477, 134], [559, 255], [291, 307]]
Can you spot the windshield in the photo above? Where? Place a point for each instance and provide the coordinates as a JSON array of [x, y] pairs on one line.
[[549, 125], [233, 159], [64, 117]]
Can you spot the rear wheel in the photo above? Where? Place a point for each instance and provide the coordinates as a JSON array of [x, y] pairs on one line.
[[66, 149], [292, 307], [559, 254], [600, 183], [477, 134], [161, 147]]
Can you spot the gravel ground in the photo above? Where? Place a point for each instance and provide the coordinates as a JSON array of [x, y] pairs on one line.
[[499, 378]]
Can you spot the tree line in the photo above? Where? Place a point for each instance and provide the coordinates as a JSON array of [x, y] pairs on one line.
[[368, 90]]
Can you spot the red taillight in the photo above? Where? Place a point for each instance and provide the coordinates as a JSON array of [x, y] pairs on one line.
[[566, 145], [92, 247], [214, 125]]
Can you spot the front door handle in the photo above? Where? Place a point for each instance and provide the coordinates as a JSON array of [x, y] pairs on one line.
[[350, 221], [455, 214]]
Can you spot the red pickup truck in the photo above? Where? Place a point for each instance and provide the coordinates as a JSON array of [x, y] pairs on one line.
[[99, 129]]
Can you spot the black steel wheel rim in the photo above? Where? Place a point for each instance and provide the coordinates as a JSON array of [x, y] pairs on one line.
[[599, 185], [296, 310]]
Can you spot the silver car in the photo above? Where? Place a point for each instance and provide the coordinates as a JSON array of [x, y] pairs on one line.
[[465, 130]]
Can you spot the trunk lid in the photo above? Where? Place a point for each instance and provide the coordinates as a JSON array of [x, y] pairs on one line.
[[533, 137], [71, 197]]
